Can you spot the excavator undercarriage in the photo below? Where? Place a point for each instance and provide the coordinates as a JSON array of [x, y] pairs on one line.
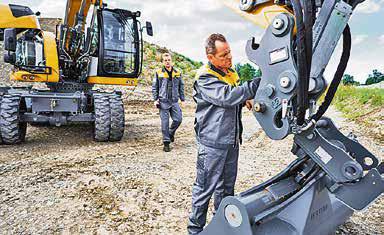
[[108, 50]]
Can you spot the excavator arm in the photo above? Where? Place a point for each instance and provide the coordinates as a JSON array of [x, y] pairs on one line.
[[333, 175], [77, 10]]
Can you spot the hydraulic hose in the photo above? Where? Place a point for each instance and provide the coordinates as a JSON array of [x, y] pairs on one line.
[[302, 64], [309, 18], [338, 75]]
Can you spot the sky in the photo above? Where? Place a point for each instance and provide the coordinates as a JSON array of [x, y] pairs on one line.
[[183, 25]]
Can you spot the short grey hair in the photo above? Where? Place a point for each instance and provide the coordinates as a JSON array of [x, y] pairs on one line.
[[210, 46]]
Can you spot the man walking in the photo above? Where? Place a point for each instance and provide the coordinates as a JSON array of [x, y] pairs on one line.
[[218, 128], [167, 89]]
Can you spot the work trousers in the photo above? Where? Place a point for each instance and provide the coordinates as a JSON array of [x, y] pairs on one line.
[[216, 174], [173, 111]]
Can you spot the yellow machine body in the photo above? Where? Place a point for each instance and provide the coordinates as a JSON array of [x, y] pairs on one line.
[[262, 15], [7, 20], [52, 62], [113, 81], [51, 53]]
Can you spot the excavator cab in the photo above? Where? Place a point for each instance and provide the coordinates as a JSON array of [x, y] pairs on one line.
[[116, 47], [119, 44]]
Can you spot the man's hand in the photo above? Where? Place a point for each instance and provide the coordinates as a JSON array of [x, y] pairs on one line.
[[156, 103], [249, 104]]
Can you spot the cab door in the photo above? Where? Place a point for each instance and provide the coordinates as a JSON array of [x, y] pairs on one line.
[[118, 52]]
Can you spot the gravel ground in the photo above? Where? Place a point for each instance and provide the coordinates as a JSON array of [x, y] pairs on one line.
[[61, 182]]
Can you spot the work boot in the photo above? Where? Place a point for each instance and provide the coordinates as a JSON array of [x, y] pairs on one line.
[[167, 148], [172, 137]]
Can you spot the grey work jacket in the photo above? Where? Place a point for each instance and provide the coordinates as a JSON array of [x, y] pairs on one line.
[[160, 86], [218, 112]]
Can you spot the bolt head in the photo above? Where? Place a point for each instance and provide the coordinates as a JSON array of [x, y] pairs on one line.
[[233, 216], [246, 5], [285, 82], [259, 107], [278, 23]]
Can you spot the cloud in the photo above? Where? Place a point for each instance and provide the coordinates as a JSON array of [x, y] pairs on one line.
[[50, 8], [362, 61], [381, 39], [370, 6], [358, 39]]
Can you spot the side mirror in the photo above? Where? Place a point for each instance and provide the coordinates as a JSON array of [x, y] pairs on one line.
[[10, 40], [148, 26], [1, 35], [10, 58]]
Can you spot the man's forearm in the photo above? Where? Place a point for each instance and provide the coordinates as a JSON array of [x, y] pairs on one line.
[[223, 95]]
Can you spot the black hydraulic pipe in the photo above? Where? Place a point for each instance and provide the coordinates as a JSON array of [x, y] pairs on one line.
[[338, 75], [301, 61], [309, 17]]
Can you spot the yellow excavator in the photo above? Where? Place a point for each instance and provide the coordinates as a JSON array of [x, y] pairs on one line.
[[107, 50]]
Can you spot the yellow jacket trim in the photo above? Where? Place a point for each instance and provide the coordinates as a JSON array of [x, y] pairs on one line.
[[231, 78], [163, 74]]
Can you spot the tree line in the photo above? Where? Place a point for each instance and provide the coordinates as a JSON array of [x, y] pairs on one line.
[[375, 77], [247, 72]]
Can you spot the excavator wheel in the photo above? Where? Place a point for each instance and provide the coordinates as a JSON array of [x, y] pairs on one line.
[[117, 118], [102, 125], [11, 129]]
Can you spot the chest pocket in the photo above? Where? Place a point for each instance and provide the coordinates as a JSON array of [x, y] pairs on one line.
[[176, 83]]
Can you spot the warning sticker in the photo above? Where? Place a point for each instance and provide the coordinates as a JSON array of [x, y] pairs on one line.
[[324, 155]]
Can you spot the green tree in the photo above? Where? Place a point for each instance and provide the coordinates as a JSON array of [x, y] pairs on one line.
[[349, 80], [375, 77], [247, 72]]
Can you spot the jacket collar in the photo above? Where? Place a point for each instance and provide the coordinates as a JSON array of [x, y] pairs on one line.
[[174, 70], [211, 66]]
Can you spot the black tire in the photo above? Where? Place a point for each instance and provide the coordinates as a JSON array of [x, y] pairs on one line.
[[117, 118], [102, 125], [12, 130]]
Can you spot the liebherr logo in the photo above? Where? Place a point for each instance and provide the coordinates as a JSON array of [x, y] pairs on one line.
[[317, 213]]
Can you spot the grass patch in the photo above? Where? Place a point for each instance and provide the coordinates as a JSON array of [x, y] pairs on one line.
[[357, 102], [365, 107]]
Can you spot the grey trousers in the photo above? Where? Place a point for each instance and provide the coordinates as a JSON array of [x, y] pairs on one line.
[[216, 174], [173, 111]]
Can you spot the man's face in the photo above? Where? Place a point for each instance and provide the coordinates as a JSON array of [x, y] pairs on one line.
[[167, 61], [223, 57]]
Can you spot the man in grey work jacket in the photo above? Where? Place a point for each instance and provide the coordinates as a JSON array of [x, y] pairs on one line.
[[167, 89], [218, 128]]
